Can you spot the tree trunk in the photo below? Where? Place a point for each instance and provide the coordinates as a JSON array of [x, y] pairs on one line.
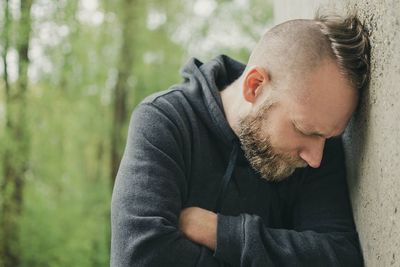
[[6, 44], [121, 88], [16, 156]]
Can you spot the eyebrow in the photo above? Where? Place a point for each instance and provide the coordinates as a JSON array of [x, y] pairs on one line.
[[300, 129]]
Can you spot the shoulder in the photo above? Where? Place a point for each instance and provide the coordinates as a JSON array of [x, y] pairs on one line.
[[159, 117], [166, 101], [169, 106]]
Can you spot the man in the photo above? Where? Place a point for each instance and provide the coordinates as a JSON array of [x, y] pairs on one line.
[[243, 165]]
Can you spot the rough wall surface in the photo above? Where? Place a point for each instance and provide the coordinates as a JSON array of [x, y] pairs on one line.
[[372, 139]]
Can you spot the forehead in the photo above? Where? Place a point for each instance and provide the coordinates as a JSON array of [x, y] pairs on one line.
[[325, 102]]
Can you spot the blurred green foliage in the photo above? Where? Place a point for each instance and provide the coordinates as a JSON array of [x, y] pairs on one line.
[[74, 52]]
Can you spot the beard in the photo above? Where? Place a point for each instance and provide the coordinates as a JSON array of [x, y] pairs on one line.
[[260, 153]]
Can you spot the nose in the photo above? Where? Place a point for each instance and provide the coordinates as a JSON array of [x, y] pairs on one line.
[[312, 153]]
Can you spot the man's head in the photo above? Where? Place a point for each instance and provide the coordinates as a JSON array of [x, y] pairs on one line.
[[300, 87]]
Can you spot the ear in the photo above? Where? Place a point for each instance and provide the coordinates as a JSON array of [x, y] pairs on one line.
[[253, 83]]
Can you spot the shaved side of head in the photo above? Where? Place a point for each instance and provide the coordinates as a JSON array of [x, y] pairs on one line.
[[290, 50]]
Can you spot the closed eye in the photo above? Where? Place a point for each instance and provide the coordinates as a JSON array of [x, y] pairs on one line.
[[313, 134], [298, 130]]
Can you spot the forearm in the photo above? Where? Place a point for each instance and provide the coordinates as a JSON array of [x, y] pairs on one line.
[[199, 225]]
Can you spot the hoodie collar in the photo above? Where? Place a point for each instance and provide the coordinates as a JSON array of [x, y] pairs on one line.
[[213, 77]]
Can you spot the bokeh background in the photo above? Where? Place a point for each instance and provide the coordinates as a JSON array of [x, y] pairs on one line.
[[71, 72]]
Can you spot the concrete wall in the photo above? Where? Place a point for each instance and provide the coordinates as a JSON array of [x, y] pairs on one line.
[[373, 137]]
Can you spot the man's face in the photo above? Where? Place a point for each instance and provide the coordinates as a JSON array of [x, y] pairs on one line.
[[290, 133]]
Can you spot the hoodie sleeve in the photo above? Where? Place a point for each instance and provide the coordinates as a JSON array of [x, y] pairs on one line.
[[323, 231], [147, 198]]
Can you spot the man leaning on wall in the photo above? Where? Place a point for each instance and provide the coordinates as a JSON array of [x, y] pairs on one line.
[[242, 164]]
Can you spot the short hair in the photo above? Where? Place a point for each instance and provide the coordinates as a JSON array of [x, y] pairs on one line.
[[298, 46]]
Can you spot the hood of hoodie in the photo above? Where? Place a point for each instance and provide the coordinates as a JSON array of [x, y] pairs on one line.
[[213, 77]]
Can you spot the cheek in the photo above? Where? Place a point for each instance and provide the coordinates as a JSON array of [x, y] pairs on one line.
[[283, 136]]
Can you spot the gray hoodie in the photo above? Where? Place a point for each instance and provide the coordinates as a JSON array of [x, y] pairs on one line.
[[181, 152]]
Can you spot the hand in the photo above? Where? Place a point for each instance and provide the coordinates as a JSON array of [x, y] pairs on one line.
[[199, 225]]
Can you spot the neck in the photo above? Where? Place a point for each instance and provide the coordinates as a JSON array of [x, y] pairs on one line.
[[233, 104]]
